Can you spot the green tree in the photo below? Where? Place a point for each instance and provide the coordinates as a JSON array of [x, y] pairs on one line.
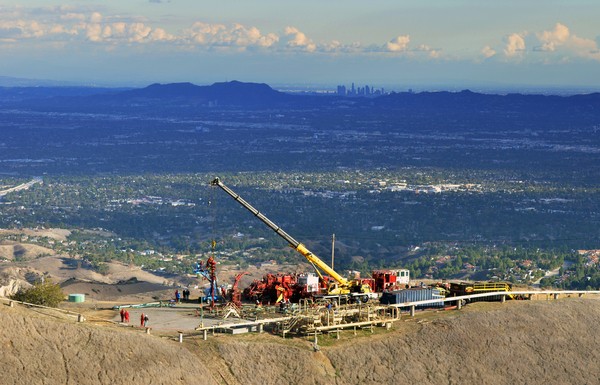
[[42, 293]]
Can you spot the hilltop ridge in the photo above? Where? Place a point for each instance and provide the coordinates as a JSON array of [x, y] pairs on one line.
[[533, 342]]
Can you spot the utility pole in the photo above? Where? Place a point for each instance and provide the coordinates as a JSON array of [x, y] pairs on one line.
[[332, 249]]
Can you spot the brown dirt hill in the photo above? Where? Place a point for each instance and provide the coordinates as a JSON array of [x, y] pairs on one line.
[[38, 349], [534, 342], [63, 269], [523, 342], [529, 342], [56, 234], [24, 251], [126, 291]]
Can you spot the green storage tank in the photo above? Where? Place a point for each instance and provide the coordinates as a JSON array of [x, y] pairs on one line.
[[76, 297]]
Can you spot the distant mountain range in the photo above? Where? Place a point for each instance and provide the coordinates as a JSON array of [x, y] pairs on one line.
[[467, 99], [226, 94], [260, 95]]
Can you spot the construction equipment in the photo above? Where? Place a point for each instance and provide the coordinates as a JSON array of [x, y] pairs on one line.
[[235, 294], [208, 271], [387, 280], [465, 288], [273, 288], [338, 285]]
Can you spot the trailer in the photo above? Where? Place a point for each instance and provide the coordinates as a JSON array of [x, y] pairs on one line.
[[465, 288]]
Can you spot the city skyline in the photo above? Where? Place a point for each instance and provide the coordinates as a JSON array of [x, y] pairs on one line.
[[459, 44]]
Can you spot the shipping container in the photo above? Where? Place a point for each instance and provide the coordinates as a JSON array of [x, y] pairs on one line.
[[413, 295]]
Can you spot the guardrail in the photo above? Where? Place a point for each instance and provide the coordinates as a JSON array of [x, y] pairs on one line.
[[459, 300], [11, 302]]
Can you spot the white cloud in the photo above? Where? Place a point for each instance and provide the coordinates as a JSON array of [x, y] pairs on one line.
[[65, 25], [332, 46], [96, 17], [242, 36], [488, 51], [159, 34], [398, 44], [138, 32], [94, 32], [204, 33], [551, 39], [297, 39], [236, 35], [58, 29], [431, 52], [562, 41], [21, 29], [434, 53], [515, 45], [556, 45], [118, 29], [73, 16]]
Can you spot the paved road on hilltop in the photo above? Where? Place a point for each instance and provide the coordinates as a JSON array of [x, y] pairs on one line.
[[183, 317]]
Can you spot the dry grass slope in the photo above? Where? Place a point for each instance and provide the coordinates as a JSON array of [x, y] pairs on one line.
[[24, 251], [41, 350], [522, 343], [534, 342], [528, 342]]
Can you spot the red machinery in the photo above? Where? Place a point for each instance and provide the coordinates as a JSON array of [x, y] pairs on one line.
[[273, 288], [209, 272], [386, 280], [235, 295]]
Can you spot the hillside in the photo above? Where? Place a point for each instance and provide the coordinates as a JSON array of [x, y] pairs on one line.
[[536, 342], [22, 251], [85, 354], [225, 90]]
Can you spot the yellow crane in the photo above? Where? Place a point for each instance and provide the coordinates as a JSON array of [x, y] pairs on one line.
[[341, 286]]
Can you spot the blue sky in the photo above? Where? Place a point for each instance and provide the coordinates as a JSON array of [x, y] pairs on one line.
[[394, 43]]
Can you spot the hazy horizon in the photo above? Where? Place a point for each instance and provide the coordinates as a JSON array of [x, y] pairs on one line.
[[291, 86], [404, 44]]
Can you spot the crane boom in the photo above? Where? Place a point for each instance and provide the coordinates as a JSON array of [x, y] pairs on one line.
[[294, 244]]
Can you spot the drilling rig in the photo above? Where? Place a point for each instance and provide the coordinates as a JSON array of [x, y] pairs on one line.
[[335, 284]]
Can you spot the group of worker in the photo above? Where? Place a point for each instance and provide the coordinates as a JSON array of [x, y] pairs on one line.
[[185, 293], [124, 313], [144, 320]]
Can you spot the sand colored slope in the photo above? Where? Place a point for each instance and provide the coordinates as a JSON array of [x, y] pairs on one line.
[[528, 342], [534, 342], [42, 350], [24, 251], [56, 234]]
